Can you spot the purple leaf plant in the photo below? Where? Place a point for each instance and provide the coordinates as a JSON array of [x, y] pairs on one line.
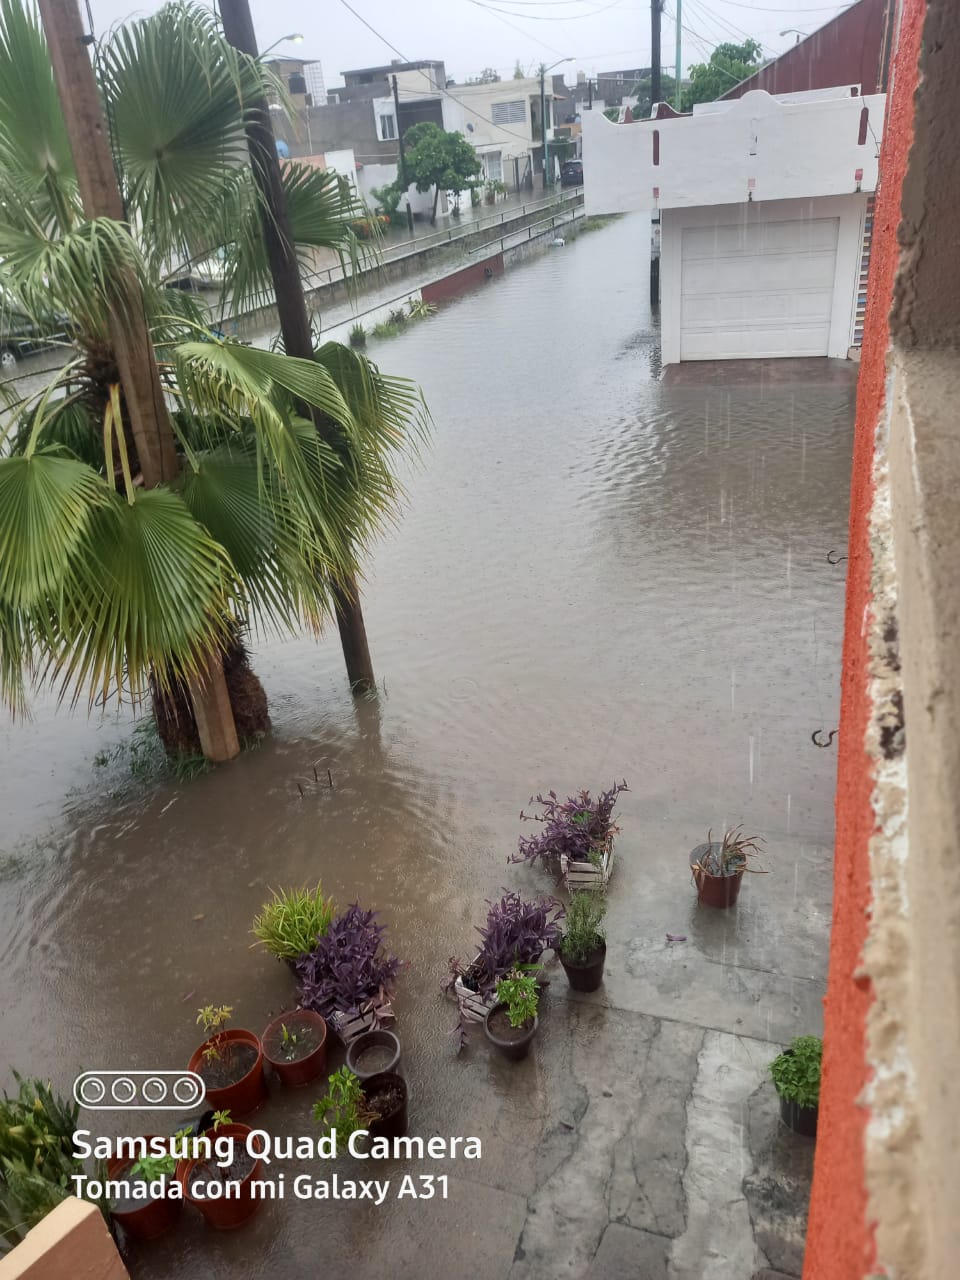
[[348, 971], [578, 827]]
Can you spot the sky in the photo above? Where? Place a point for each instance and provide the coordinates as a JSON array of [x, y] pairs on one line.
[[469, 35]]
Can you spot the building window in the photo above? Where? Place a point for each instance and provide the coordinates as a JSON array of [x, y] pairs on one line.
[[387, 128], [493, 166], [509, 112]]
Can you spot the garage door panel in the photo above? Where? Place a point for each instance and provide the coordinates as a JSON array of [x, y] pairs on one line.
[[757, 289]]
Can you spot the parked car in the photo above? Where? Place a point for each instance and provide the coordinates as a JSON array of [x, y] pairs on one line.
[[20, 335], [571, 175]]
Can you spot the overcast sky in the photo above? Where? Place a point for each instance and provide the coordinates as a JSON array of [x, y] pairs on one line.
[[468, 35]]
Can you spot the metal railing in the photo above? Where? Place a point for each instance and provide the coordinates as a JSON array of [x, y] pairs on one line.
[[531, 233]]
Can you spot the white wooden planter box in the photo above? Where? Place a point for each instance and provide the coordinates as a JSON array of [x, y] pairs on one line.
[[473, 1006], [349, 1028], [587, 875]]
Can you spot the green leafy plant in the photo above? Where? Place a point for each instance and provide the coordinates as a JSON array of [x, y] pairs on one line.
[[796, 1071], [419, 310], [386, 329], [213, 1019], [358, 336], [583, 926], [518, 991], [37, 1159], [150, 1168], [729, 856], [221, 1118], [292, 921], [343, 1107], [399, 317]]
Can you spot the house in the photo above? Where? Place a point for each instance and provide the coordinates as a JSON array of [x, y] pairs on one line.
[[302, 78], [502, 121], [764, 220]]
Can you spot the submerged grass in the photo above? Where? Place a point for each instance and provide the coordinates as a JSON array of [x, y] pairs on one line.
[[143, 756]]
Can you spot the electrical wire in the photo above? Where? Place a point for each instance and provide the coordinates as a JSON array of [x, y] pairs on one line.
[[531, 17], [446, 92], [705, 15]]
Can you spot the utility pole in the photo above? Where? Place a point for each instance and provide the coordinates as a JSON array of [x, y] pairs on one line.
[[292, 311], [656, 9], [589, 95], [543, 122], [677, 70], [129, 333], [403, 164]]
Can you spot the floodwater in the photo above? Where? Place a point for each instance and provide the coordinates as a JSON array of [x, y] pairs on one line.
[[598, 576]]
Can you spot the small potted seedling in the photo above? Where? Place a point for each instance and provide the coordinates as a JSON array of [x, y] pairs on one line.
[[230, 1062], [796, 1076], [512, 1022], [577, 837], [295, 1045], [152, 1217], [583, 947], [718, 866], [358, 336], [378, 1105], [292, 921], [237, 1204]]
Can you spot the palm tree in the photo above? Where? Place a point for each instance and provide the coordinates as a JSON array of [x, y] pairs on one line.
[[106, 584]]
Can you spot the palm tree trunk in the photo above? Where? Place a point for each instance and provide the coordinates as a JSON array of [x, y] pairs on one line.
[[174, 709]]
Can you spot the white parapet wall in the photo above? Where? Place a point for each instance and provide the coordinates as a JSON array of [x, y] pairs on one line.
[[757, 147]]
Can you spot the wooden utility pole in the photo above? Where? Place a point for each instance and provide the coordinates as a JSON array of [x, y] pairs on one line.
[[402, 167], [292, 310], [656, 10], [129, 333]]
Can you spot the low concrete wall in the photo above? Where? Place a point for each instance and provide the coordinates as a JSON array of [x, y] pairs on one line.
[[461, 281], [71, 1243]]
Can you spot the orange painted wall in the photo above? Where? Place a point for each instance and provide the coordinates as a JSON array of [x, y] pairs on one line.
[[840, 1239]]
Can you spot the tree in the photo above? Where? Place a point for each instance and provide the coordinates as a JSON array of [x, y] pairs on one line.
[[435, 158], [728, 65], [518, 71], [487, 76], [104, 584], [643, 105]]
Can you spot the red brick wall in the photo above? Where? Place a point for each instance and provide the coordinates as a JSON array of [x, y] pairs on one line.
[[840, 1239], [460, 281]]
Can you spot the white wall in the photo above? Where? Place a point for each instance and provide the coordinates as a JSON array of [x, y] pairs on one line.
[[777, 148], [849, 209], [344, 163]]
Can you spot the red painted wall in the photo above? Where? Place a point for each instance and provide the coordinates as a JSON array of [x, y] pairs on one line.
[[844, 51], [460, 281], [840, 1240]]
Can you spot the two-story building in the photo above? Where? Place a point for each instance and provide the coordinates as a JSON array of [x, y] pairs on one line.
[[764, 219]]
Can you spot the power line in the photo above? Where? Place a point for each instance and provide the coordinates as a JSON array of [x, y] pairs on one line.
[[532, 17], [707, 15]]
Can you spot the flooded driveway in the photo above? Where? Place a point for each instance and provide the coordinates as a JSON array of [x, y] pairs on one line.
[[599, 575]]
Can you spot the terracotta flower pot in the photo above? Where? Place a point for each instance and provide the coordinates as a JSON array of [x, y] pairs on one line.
[[226, 1212], [394, 1124], [512, 1043], [301, 1071], [151, 1218], [714, 891], [242, 1096], [588, 975]]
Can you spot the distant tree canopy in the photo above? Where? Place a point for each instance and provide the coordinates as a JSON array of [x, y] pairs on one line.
[[487, 76], [435, 158], [728, 65], [518, 72]]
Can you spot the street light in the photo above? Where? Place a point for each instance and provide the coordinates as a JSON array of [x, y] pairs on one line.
[[294, 38], [543, 114], [793, 31]]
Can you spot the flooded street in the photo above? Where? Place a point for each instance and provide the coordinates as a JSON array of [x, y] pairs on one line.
[[598, 575]]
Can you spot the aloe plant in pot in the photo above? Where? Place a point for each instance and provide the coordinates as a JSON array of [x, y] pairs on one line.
[[717, 867], [796, 1077], [512, 1022], [583, 947]]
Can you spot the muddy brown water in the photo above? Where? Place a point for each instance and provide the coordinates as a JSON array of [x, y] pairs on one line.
[[598, 575]]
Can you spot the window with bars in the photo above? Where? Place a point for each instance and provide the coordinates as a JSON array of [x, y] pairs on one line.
[[509, 112], [387, 128]]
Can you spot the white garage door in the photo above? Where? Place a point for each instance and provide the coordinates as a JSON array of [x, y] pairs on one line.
[[757, 289]]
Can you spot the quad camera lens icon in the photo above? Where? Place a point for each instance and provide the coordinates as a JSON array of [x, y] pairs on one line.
[[139, 1090]]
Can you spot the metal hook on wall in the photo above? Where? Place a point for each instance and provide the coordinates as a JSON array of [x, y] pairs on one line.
[[833, 558], [819, 733]]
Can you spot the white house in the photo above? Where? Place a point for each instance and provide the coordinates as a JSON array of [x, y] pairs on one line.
[[763, 205], [502, 121]]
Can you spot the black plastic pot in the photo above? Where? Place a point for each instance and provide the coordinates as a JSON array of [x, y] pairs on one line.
[[395, 1125], [802, 1120], [379, 1039], [515, 1048], [589, 975]]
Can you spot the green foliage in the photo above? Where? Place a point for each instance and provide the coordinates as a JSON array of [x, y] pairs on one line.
[[518, 991], [796, 1071], [728, 65], [36, 1157], [583, 926], [435, 158], [143, 754], [487, 76], [358, 336], [150, 1168], [290, 923], [420, 310], [213, 1018], [386, 329], [343, 1107], [612, 113]]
